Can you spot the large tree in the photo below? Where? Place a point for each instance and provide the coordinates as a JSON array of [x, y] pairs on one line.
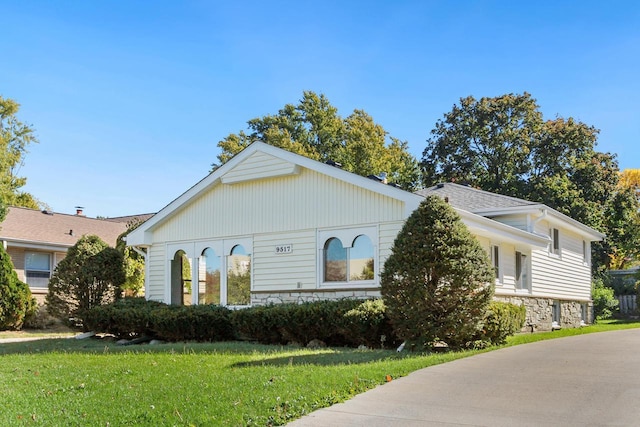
[[314, 129], [15, 138], [504, 145]]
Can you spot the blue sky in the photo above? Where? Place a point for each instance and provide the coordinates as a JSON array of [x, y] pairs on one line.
[[130, 98]]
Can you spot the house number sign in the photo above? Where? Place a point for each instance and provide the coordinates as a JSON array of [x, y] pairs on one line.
[[284, 249]]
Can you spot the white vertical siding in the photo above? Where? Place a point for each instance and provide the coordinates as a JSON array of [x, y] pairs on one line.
[[387, 234], [566, 276], [285, 271], [299, 202]]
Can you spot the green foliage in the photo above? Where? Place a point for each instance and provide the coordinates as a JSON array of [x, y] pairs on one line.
[[368, 324], [192, 323], [503, 145], [338, 323], [133, 263], [15, 138], [435, 283], [90, 275], [605, 303], [16, 302], [125, 318], [314, 129], [501, 321]]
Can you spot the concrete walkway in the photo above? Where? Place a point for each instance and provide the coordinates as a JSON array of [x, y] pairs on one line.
[[587, 380]]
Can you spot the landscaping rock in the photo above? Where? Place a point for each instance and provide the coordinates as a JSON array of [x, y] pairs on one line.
[[316, 343]]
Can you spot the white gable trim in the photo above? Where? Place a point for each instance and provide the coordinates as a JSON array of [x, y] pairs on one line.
[[142, 235]]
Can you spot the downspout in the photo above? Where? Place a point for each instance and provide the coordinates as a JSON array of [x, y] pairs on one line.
[[542, 216]]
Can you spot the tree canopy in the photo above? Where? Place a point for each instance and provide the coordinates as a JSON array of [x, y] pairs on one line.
[[504, 145], [314, 129], [15, 138]]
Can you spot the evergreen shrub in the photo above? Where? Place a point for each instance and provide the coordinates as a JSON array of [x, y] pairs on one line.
[[192, 323], [501, 321], [16, 302], [126, 318], [436, 282]]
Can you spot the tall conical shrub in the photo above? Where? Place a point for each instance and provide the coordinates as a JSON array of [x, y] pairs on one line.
[[436, 282]]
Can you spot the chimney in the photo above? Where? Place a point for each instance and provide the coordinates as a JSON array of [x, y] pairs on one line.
[[79, 211]]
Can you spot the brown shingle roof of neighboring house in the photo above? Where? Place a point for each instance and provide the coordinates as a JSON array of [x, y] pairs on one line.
[[50, 228], [129, 218]]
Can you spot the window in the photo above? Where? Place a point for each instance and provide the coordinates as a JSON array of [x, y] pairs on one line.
[[38, 269], [495, 260], [522, 271], [555, 241], [586, 254], [347, 256], [238, 277], [209, 277], [584, 312], [555, 312]]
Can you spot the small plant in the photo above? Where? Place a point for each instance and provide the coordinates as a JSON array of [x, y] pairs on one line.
[[501, 321], [605, 303]]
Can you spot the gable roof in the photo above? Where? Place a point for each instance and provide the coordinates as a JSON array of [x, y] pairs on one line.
[[472, 199], [494, 205], [30, 227], [242, 167]]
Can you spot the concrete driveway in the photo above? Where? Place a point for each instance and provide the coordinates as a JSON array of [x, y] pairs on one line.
[[587, 380]]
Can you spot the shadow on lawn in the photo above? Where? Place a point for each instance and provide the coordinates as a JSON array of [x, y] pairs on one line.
[[335, 357]]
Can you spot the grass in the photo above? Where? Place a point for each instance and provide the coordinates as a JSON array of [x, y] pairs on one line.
[[96, 383]]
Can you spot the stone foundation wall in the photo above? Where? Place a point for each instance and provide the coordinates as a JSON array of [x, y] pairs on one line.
[[540, 312], [316, 295]]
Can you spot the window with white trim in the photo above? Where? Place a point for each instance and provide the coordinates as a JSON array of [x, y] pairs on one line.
[[554, 247], [37, 269], [495, 261], [522, 271], [347, 256]]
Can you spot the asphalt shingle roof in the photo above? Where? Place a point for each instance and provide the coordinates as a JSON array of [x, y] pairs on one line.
[[472, 199], [31, 225]]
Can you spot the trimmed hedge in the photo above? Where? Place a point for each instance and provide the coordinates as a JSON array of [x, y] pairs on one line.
[[345, 322], [502, 320], [134, 317]]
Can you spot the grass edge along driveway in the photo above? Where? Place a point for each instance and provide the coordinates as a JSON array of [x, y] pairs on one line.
[[95, 383]]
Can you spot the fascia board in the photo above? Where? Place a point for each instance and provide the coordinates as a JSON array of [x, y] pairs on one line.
[[554, 217], [490, 228]]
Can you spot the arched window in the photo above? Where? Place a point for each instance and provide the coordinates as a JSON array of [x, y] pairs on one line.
[[361, 265], [350, 264], [209, 277], [238, 277], [335, 261], [181, 289]]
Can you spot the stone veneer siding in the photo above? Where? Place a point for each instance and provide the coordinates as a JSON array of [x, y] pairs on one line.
[[540, 312], [264, 298]]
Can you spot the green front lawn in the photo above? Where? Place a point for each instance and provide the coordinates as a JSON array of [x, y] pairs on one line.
[[95, 383]]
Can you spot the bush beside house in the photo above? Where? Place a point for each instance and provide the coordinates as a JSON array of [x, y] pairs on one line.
[[16, 302], [435, 282]]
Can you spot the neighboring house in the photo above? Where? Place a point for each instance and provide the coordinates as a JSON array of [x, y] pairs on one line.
[[37, 241], [270, 226]]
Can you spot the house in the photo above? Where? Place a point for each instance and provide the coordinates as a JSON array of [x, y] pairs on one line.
[[270, 226], [37, 241]]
